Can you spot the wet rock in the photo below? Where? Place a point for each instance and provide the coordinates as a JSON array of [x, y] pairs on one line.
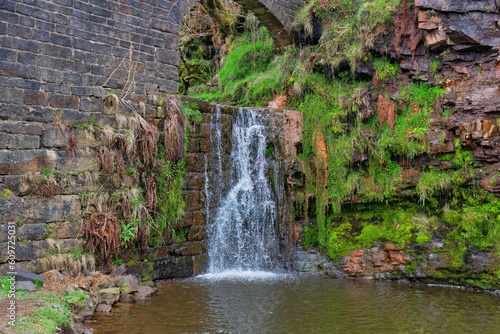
[[107, 300], [376, 262], [77, 328], [127, 284], [149, 283], [174, 268], [126, 298], [89, 307], [109, 293], [103, 308], [479, 262], [142, 293]]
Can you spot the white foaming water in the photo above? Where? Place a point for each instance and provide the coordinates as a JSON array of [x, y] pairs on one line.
[[241, 229], [243, 275]]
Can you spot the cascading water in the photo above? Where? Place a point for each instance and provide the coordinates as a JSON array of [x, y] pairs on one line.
[[240, 219]]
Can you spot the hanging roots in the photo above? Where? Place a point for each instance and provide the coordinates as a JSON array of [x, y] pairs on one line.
[[102, 236], [148, 135], [105, 159], [174, 130], [150, 186], [71, 145]]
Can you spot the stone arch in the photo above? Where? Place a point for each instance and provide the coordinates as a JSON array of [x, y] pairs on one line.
[[275, 15]]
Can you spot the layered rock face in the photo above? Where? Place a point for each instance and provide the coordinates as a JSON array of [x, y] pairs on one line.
[[456, 47]]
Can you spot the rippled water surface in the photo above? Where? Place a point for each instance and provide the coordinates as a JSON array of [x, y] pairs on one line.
[[278, 304]]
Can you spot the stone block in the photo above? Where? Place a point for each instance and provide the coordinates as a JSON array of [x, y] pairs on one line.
[[168, 56], [193, 201], [67, 245], [64, 230], [83, 161], [34, 266], [21, 161], [11, 210], [55, 136], [193, 145], [56, 208], [200, 264], [85, 138], [24, 128], [195, 162], [187, 248], [196, 233], [179, 267], [31, 232], [194, 181], [198, 218], [31, 250], [4, 232], [35, 98], [16, 141]]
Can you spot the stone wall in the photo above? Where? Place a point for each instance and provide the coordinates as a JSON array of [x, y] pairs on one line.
[[60, 60]]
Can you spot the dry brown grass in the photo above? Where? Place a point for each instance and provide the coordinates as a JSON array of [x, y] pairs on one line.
[[102, 236], [105, 157], [67, 264], [147, 137], [150, 187], [174, 129]]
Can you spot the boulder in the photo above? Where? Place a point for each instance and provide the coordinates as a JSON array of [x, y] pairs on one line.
[[27, 276], [103, 308], [25, 285], [127, 284], [143, 292], [109, 292], [126, 298], [119, 271]]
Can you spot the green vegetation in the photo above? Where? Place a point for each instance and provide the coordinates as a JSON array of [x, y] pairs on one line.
[[49, 314], [75, 298], [243, 79], [349, 27], [170, 199]]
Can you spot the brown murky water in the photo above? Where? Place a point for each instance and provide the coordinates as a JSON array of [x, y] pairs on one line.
[[305, 304]]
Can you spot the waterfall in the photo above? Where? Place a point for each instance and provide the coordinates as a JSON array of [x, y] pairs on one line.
[[241, 211]]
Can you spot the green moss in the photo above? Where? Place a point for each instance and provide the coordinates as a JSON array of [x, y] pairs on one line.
[[171, 203], [248, 77]]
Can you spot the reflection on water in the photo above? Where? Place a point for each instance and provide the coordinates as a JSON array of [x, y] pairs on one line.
[[303, 305]]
